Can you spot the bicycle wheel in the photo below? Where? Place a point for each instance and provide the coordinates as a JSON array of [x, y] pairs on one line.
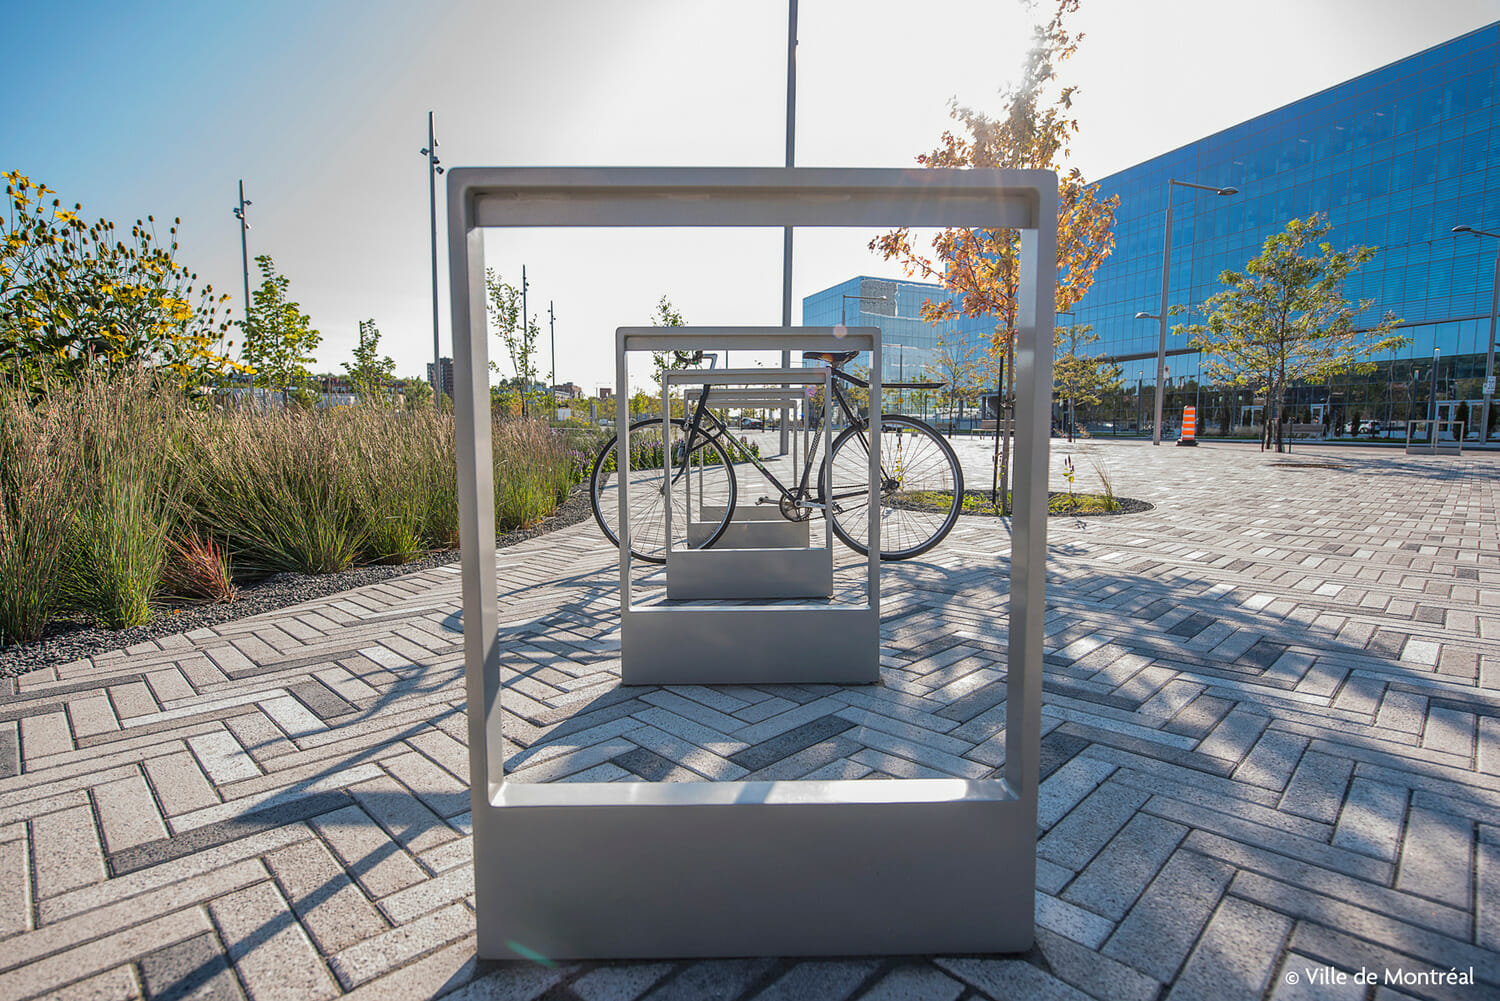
[[921, 490], [704, 479]]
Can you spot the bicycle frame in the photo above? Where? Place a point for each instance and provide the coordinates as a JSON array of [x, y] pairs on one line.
[[717, 430]]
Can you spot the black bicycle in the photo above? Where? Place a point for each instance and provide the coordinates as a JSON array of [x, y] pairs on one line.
[[921, 483]]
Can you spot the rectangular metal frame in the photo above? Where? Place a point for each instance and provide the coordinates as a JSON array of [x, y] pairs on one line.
[[753, 868], [739, 644], [1434, 445]]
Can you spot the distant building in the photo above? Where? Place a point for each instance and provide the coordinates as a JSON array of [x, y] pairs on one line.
[[445, 383], [605, 392], [567, 391]]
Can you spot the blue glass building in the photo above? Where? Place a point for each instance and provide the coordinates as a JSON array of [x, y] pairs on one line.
[[1395, 158]]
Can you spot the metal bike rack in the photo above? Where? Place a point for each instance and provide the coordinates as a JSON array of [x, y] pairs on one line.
[[753, 526], [639, 870], [735, 641], [1432, 442], [761, 554]]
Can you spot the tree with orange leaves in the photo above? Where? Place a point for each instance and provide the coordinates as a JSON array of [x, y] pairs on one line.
[[982, 267]]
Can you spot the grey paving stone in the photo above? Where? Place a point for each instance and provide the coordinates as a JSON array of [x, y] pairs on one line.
[[1234, 959], [1014, 978], [66, 852], [268, 947], [713, 980], [1307, 979], [516, 982], [1271, 761], [619, 981], [15, 884], [193, 969], [1436, 857], [1093, 973], [1117, 875], [321, 700], [1162, 927], [914, 983], [831, 979], [377, 862], [1316, 789], [327, 902], [1075, 839], [154, 853], [10, 750], [1370, 820]]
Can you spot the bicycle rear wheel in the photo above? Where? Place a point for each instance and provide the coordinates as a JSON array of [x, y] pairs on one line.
[[703, 490], [921, 487]]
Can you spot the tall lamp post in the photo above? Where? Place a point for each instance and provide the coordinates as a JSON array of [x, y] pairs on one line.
[[1166, 261], [239, 213], [1489, 363], [434, 168]]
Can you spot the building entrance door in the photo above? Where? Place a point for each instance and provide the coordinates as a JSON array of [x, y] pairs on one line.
[[1319, 413]]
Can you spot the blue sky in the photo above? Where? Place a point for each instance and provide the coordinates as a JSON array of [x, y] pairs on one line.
[[161, 107]]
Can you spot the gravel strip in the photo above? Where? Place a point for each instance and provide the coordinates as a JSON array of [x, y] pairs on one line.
[[66, 641]]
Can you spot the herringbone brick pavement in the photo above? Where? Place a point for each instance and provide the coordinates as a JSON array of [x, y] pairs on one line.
[[1271, 745]]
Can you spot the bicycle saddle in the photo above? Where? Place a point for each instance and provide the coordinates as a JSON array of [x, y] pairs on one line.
[[834, 358]]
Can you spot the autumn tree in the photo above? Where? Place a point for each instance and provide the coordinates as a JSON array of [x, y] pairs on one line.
[[279, 339], [982, 267], [370, 373], [75, 296], [1284, 319], [1081, 378]]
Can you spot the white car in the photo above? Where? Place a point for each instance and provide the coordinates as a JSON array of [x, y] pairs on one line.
[[1370, 427]]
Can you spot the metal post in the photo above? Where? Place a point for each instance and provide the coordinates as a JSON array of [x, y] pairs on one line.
[[525, 333], [433, 170], [552, 329], [239, 214], [1437, 354], [786, 233], [1161, 319]]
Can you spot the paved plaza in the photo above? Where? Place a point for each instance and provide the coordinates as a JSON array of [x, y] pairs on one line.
[[1271, 754]]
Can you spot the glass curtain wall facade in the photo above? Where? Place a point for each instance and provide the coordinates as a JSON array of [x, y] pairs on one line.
[[1395, 158], [909, 344]]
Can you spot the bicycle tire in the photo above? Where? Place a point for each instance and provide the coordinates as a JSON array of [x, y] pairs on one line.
[[648, 518], [914, 460]]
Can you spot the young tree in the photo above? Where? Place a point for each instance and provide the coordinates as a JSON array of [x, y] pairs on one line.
[[666, 315], [1284, 319], [518, 333], [1080, 378], [982, 267], [959, 364], [370, 373], [279, 339], [74, 296]]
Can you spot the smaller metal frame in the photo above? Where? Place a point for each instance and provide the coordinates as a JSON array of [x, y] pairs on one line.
[[1432, 443], [761, 554], [723, 642]]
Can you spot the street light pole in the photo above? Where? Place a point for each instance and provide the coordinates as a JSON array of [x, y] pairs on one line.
[[1489, 363], [434, 168], [239, 213], [786, 233], [1166, 261]]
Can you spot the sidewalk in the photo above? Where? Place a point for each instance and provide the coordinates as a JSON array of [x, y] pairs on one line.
[[1271, 744]]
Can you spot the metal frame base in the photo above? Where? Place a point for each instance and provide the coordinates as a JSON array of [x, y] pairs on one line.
[[845, 868], [751, 645], [729, 574]]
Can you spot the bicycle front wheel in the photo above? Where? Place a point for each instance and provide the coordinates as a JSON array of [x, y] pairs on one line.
[[921, 487], [702, 490]]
